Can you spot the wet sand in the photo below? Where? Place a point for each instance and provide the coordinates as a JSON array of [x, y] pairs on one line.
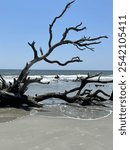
[[38, 132]]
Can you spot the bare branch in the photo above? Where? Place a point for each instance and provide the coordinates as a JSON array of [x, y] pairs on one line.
[[41, 51], [13, 94], [33, 48], [84, 42], [74, 59], [81, 44], [85, 98], [55, 19], [97, 38], [76, 28], [89, 79], [99, 91], [86, 92], [23, 86]]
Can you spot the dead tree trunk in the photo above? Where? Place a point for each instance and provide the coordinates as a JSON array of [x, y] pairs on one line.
[[13, 94]]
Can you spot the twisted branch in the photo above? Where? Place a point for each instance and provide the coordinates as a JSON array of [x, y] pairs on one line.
[[76, 28], [74, 59], [16, 90], [83, 98], [55, 19]]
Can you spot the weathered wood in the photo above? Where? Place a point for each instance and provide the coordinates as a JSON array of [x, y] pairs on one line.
[[13, 94], [11, 99]]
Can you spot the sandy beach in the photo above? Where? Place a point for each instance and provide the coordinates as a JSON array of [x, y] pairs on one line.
[[38, 132]]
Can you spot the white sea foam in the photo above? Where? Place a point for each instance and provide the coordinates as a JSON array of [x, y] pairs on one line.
[[49, 78], [71, 112]]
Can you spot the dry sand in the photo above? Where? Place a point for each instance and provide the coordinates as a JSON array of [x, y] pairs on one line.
[[40, 132]]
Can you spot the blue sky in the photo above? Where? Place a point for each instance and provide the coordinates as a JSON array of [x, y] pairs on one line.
[[27, 20]]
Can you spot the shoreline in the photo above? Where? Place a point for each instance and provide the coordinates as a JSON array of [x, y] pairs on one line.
[[54, 133], [9, 114]]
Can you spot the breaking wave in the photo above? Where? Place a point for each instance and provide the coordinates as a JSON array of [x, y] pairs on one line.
[[50, 78]]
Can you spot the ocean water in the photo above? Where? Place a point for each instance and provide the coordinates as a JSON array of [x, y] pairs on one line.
[[56, 107]]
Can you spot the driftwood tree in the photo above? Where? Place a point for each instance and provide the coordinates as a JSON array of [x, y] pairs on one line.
[[13, 94]]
